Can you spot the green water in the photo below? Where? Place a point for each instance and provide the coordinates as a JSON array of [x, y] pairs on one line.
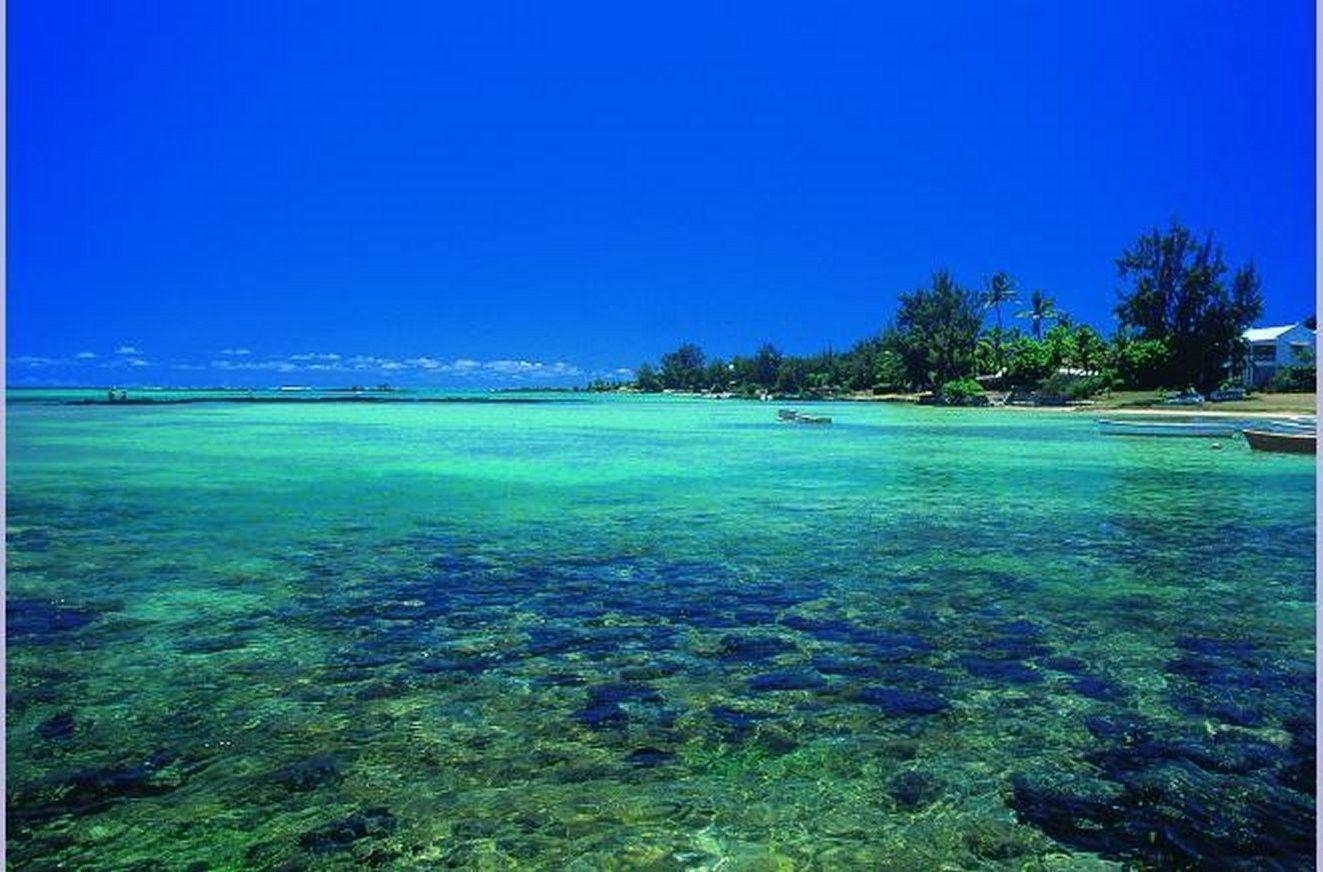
[[608, 632]]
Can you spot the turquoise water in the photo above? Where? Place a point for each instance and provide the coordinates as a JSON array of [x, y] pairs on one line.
[[610, 632]]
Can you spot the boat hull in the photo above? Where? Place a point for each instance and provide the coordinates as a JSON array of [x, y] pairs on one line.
[[1203, 429], [1282, 443]]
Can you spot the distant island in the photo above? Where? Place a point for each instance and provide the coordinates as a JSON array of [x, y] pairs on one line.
[[1182, 316]]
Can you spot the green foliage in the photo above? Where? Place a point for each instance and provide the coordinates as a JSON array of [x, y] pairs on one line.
[[766, 366], [1074, 387], [792, 375], [1139, 363], [646, 378], [935, 332], [1060, 346], [716, 377], [1295, 379], [1028, 362], [1000, 289], [1088, 350], [1179, 295], [682, 369], [961, 392], [1041, 310], [1182, 318]]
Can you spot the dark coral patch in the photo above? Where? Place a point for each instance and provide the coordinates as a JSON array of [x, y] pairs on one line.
[[900, 703]]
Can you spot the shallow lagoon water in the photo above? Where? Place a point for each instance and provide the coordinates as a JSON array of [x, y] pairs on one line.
[[612, 632]]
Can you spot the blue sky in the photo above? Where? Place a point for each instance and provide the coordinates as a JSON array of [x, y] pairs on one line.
[[476, 194]]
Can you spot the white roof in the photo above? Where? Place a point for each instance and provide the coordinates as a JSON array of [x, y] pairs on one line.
[[1266, 334]]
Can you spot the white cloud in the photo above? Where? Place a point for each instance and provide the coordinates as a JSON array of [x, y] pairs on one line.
[[127, 350], [536, 369], [33, 360], [235, 352], [326, 362], [137, 361], [255, 365], [84, 355]]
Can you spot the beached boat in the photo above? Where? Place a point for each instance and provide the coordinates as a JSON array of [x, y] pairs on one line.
[[1186, 398], [1205, 429], [1282, 443]]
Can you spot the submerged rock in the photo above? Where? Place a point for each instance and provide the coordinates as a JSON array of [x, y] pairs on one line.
[[913, 789], [342, 834], [787, 679], [1006, 671], [752, 648], [893, 701], [57, 727], [647, 758], [1097, 688], [613, 704], [37, 620], [308, 774], [734, 722]]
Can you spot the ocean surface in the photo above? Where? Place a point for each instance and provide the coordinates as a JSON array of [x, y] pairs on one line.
[[597, 632]]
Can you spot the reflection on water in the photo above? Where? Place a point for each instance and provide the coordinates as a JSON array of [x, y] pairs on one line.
[[638, 632]]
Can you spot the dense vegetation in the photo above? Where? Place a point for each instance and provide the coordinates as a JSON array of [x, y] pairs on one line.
[[1180, 325]]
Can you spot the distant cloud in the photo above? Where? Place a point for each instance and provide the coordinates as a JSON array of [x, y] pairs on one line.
[[255, 365], [533, 368], [420, 369]]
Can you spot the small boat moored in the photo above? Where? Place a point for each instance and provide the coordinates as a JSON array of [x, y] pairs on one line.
[[1282, 443], [786, 414], [1185, 398], [812, 419], [1205, 429]]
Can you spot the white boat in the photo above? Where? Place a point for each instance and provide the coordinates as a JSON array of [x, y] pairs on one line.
[[1206, 429]]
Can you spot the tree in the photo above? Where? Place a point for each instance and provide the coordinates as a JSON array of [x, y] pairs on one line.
[[792, 375], [1001, 289], [645, 378], [717, 375], [1041, 308], [766, 366], [1089, 351], [682, 369], [1028, 361], [1139, 363], [935, 332], [1179, 295]]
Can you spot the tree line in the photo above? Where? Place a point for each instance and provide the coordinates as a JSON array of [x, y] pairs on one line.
[[1181, 313]]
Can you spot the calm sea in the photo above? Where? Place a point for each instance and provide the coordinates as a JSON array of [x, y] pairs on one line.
[[590, 632]]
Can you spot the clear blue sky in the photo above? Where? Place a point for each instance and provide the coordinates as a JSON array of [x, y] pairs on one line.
[[474, 193]]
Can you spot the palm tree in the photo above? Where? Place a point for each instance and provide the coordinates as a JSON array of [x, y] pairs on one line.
[[1001, 289], [1041, 308]]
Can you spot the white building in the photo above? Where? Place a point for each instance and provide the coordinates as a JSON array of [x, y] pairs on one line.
[[1271, 348]]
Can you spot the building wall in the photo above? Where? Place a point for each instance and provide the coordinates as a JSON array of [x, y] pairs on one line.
[[1258, 373]]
